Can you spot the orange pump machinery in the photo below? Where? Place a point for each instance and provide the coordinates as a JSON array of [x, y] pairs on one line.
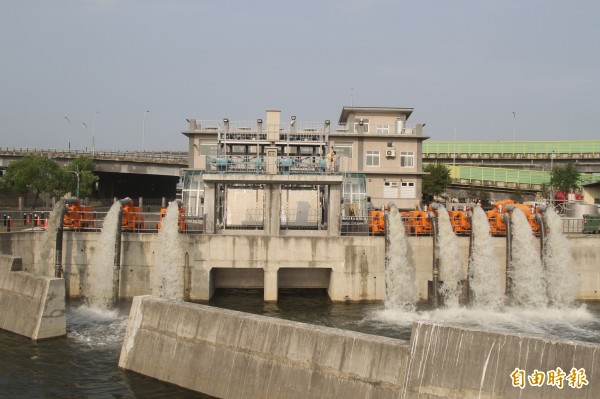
[[133, 219], [181, 220], [530, 211], [460, 222], [376, 222], [498, 225], [418, 222], [78, 216]]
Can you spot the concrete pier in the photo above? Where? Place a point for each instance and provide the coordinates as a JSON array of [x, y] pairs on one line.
[[30, 305], [230, 354]]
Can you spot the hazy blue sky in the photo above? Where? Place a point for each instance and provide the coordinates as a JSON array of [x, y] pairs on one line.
[[468, 64]]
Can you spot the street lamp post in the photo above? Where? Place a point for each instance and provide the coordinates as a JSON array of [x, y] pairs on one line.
[[86, 129], [514, 130], [454, 151], [144, 129], [94, 133], [69, 132]]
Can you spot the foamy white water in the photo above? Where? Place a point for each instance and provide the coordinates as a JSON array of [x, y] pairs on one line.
[[450, 261], [562, 280], [527, 275], [485, 271], [573, 323], [167, 266], [400, 273], [47, 251], [98, 288], [96, 327]]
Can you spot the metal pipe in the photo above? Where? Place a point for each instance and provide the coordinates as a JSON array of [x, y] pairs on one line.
[[469, 268], [432, 215], [117, 259], [59, 235], [509, 282], [539, 217]]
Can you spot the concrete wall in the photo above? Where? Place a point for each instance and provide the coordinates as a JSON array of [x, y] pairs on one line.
[[231, 354], [355, 265], [452, 362], [30, 305]]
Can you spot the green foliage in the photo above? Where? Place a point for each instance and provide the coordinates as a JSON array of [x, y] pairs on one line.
[[565, 178], [36, 174], [437, 180], [84, 166]]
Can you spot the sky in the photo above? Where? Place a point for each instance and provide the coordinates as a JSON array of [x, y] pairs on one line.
[[472, 70]]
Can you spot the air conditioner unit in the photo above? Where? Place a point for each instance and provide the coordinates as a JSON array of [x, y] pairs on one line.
[[390, 153]]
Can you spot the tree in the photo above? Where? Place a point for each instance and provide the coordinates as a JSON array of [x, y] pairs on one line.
[[35, 174], [565, 178], [84, 167], [437, 180]]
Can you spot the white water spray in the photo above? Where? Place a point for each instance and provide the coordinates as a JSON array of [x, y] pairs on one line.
[[47, 252], [167, 270], [527, 274], [99, 282], [400, 273], [485, 271], [450, 263], [561, 279]]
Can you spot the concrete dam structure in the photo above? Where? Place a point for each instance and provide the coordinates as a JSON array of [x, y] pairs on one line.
[[350, 268], [32, 306], [230, 354]]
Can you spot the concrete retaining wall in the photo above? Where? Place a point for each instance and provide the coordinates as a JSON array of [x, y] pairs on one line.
[[451, 362], [230, 354], [30, 305]]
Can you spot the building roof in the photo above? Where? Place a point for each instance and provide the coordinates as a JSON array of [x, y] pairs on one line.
[[346, 111]]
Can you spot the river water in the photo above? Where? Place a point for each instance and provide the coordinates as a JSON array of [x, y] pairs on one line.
[[84, 363]]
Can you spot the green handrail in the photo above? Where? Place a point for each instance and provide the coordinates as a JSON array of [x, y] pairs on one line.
[[510, 147], [521, 176]]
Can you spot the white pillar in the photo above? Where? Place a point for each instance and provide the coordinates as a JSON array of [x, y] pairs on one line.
[[271, 285]]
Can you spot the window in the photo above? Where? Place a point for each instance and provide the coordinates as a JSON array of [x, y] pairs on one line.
[[343, 150], [372, 158], [407, 159], [365, 125], [407, 189], [208, 149], [383, 129], [390, 189]]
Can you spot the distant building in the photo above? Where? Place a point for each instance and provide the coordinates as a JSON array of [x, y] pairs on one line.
[[377, 142]]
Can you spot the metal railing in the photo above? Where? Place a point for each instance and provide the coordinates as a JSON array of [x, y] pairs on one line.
[[291, 219], [260, 165], [171, 157]]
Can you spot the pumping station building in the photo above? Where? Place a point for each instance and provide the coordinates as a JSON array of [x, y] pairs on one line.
[[278, 176]]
